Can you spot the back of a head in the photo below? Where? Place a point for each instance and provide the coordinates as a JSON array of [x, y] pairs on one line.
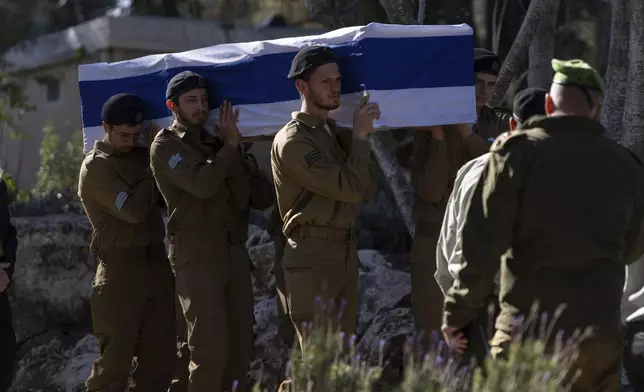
[[528, 103], [577, 89]]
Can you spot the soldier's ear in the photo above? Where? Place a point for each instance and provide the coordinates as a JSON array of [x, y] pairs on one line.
[[513, 124], [301, 86], [170, 104], [106, 126], [550, 104]]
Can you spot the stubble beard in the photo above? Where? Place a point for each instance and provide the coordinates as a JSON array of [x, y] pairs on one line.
[[318, 102]]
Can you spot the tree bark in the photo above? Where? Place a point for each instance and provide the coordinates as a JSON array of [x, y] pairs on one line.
[[542, 49], [513, 62], [617, 71], [398, 183], [634, 109], [399, 11]]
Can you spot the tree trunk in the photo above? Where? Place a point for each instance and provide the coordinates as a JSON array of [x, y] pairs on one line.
[[542, 49], [382, 148], [617, 71], [634, 109], [399, 11], [513, 63]]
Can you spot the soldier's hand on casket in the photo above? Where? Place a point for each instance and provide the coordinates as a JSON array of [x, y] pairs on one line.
[[436, 130], [228, 131], [364, 117]]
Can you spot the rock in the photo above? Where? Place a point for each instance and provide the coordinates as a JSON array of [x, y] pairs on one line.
[[54, 272], [381, 287], [55, 362]]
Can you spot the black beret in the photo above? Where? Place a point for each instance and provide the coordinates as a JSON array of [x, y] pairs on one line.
[[486, 62], [529, 102], [123, 109], [183, 82], [308, 59]]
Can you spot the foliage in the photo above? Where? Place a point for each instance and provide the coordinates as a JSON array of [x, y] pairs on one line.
[[59, 165], [327, 363]]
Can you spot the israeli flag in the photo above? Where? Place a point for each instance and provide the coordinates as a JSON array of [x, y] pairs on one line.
[[419, 75]]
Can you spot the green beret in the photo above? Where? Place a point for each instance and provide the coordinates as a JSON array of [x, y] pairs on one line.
[[182, 83], [577, 73], [123, 109], [310, 58]]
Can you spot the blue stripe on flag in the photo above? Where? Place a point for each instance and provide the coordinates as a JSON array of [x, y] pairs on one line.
[[378, 63]]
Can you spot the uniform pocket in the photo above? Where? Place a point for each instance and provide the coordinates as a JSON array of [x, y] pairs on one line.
[[311, 290]]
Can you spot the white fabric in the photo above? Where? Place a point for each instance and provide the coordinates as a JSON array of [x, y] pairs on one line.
[[449, 250], [633, 300]]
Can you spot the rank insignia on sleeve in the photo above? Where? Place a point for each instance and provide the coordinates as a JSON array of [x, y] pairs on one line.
[[312, 156], [174, 160]]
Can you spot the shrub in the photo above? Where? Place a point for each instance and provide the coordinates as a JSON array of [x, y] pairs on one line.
[[59, 165], [327, 365]]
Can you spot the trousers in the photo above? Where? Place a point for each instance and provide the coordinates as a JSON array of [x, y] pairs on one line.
[[182, 364], [285, 328], [599, 362], [214, 287], [321, 269], [133, 317], [426, 295]]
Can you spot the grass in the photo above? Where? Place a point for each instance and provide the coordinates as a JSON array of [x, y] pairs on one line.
[[329, 362]]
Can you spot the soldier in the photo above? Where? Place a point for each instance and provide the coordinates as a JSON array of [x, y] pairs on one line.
[[206, 182], [492, 121], [528, 103], [8, 249], [133, 292], [560, 208], [320, 180], [439, 152]]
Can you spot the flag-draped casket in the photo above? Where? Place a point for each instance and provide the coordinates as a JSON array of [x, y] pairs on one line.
[[419, 75]]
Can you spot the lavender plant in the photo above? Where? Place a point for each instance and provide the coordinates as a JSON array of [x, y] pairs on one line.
[[533, 362]]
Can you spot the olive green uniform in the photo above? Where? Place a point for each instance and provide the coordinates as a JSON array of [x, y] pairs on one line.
[[434, 167], [133, 292], [321, 177], [560, 209], [284, 325], [207, 189]]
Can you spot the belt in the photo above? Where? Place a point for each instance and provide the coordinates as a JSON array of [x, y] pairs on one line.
[[323, 233]]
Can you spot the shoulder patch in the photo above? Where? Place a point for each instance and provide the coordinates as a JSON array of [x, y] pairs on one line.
[[174, 161], [121, 198]]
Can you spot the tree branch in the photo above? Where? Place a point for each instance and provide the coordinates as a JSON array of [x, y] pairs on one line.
[[634, 109], [541, 50], [617, 71], [512, 64]]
